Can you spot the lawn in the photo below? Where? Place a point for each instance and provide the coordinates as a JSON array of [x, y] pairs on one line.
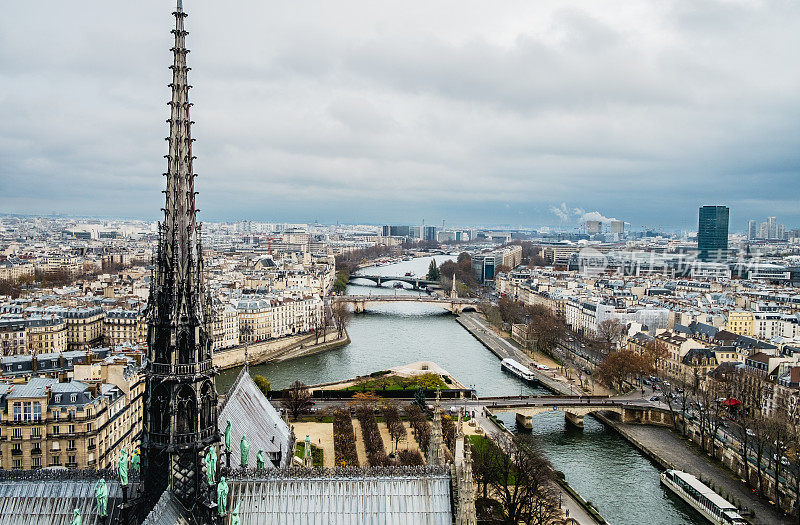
[[316, 453], [429, 381]]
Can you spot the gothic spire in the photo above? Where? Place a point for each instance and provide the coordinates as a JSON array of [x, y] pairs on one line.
[[180, 423]]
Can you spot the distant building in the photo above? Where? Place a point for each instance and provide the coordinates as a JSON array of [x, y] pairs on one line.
[[593, 227], [429, 233], [618, 227], [752, 229], [395, 231], [712, 233]]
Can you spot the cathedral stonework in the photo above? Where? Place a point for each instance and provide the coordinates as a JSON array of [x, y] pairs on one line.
[[180, 422]]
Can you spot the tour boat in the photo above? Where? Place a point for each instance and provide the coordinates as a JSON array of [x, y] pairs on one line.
[[518, 369], [711, 505]]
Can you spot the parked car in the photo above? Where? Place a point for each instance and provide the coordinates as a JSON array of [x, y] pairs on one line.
[[542, 367], [655, 398]]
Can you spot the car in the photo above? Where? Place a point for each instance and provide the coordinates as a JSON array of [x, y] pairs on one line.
[[751, 433], [583, 345], [647, 382], [656, 387], [655, 398], [542, 367]]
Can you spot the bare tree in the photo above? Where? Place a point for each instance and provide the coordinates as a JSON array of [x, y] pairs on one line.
[[296, 399], [341, 316], [609, 333]]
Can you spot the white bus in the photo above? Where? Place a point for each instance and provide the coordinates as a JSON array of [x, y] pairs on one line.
[[711, 505]]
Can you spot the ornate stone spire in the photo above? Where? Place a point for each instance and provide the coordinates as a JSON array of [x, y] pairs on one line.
[[454, 291], [180, 422], [436, 443]]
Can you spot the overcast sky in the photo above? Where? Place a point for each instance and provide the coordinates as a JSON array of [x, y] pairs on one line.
[[513, 112]]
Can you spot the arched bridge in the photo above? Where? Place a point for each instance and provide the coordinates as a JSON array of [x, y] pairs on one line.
[[360, 303], [575, 408], [416, 282]]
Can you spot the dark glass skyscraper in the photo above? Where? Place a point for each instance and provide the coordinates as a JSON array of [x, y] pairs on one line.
[[712, 233]]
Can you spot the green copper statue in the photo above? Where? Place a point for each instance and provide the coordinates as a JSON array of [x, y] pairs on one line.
[[260, 459], [228, 436], [244, 448], [211, 465], [136, 462], [235, 520], [101, 494], [122, 467], [222, 497], [76, 518]]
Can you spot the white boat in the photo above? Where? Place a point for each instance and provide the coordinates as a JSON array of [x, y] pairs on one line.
[[518, 369], [711, 505]]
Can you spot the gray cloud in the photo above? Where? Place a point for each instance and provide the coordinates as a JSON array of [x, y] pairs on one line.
[[368, 111]]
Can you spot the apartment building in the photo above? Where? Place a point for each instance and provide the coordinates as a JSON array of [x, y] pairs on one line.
[[124, 326], [75, 424]]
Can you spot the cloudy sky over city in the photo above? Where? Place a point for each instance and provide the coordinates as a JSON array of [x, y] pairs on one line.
[[515, 112]]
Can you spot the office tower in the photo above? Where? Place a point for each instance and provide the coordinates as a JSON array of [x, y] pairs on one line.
[[593, 227], [752, 229], [712, 233], [772, 225], [618, 227]]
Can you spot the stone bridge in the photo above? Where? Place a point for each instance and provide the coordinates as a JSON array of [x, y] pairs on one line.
[[575, 408], [359, 303], [416, 282]]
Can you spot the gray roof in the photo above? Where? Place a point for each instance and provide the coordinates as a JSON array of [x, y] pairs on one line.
[[168, 511], [52, 501], [392, 496], [251, 414]]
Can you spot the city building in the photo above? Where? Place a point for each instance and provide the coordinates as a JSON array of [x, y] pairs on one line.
[[712, 233]]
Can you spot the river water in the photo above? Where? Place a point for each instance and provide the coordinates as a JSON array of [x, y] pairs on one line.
[[597, 462]]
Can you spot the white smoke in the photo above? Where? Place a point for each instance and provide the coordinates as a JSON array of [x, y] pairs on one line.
[[596, 216], [567, 214]]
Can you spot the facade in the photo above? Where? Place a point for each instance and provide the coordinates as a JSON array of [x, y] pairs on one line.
[[741, 322], [84, 325], [46, 334], [712, 233], [79, 424], [13, 339], [124, 326]]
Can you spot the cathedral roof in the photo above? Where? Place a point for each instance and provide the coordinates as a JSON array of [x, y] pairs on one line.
[[252, 415], [50, 497]]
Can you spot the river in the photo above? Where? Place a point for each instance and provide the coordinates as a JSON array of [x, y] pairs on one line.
[[602, 466]]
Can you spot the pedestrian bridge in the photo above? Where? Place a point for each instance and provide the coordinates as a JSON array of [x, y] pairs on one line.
[[575, 408], [359, 303], [416, 282]]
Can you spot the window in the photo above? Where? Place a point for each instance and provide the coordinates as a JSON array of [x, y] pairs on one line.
[[73, 398], [71, 429], [17, 464], [56, 415], [37, 411], [58, 398], [88, 427], [36, 433], [17, 412], [56, 430], [71, 444], [71, 460], [16, 433], [36, 462]]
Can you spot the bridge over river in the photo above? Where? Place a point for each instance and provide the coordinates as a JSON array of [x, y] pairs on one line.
[[456, 305], [416, 282]]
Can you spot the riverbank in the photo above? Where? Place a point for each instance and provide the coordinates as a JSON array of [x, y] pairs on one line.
[[502, 348], [572, 503], [278, 350], [662, 446]]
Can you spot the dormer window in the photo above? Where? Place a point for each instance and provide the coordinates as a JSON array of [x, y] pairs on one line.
[[73, 398], [58, 398]]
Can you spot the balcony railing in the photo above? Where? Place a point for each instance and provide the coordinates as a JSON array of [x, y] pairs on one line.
[[182, 439], [36, 452], [16, 452], [182, 369]]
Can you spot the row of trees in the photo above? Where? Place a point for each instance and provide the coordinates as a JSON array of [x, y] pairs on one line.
[[621, 368], [735, 399], [371, 434], [543, 329], [419, 425], [344, 439]]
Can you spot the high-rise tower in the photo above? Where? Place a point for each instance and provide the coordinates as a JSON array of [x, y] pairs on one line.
[[712, 233], [180, 421]]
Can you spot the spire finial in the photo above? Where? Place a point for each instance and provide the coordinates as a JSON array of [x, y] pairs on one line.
[[180, 5]]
